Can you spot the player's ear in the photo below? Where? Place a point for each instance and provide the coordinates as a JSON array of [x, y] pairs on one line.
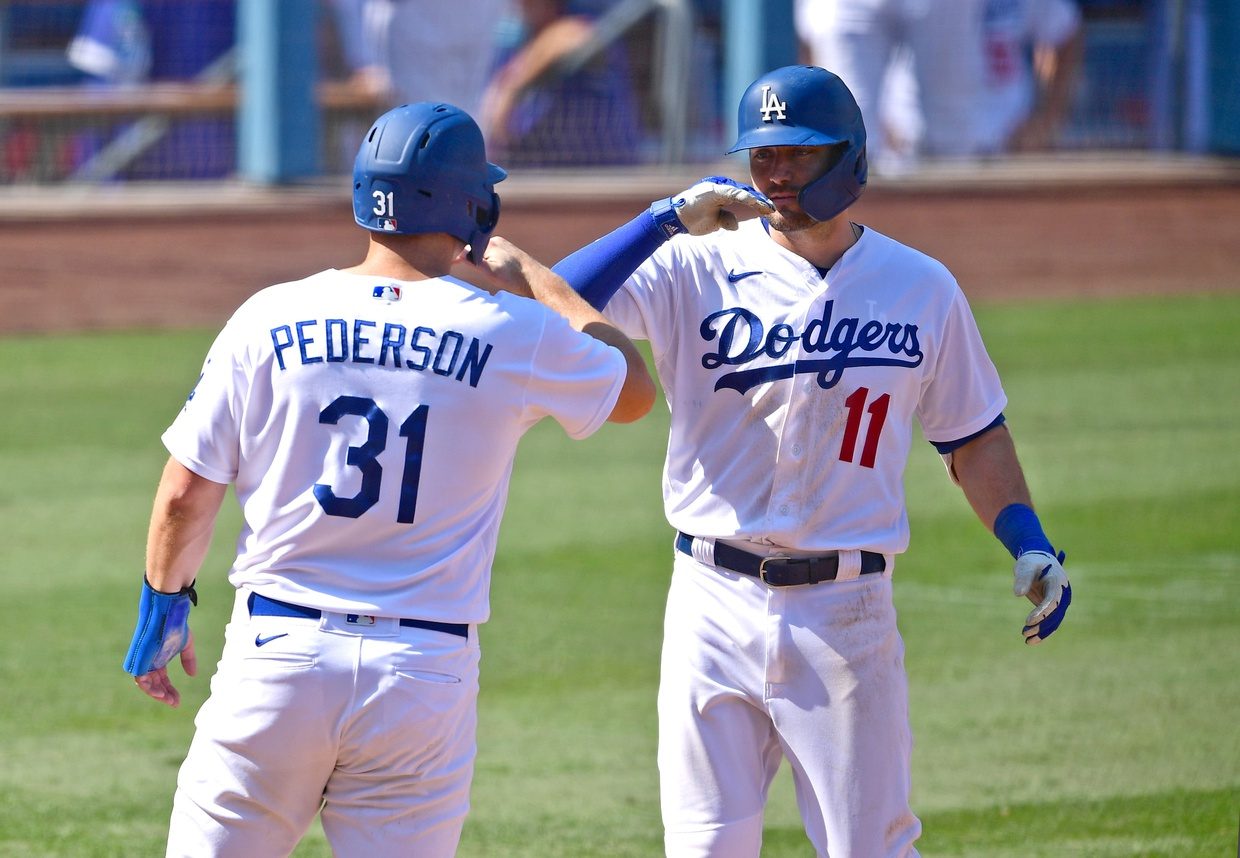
[[461, 249]]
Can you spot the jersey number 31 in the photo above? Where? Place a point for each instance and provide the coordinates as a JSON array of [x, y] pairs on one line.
[[366, 458]]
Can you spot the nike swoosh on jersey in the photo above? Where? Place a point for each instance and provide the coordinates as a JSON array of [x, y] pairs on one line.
[[259, 640], [737, 276]]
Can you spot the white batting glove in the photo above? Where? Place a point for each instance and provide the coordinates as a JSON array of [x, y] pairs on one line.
[[1041, 579], [716, 202]]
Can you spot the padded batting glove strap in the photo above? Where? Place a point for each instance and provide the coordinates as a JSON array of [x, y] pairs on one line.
[[1018, 528], [715, 202], [162, 630], [666, 217]]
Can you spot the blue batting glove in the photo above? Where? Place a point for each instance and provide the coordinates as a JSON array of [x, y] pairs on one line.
[[715, 202], [162, 630], [750, 189]]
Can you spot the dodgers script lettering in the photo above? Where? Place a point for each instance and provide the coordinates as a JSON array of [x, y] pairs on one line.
[[743, 338]]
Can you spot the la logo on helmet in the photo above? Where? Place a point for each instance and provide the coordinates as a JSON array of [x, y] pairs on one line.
[[772, 104]]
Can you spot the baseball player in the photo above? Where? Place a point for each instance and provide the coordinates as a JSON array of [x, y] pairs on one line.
[[795, 353], [367, 419]]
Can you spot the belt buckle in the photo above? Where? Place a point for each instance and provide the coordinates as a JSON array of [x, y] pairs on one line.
[[762, 569]]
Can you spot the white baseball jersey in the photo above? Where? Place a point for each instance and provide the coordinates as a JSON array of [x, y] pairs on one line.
[[369, 427], [793, 394]]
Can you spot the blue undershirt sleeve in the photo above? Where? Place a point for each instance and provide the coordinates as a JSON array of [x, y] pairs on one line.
[[598, 270]]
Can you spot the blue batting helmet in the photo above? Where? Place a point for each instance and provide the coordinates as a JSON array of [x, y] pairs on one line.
[[423, 168], [808, 106]]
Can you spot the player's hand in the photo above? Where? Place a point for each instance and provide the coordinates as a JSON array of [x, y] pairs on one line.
[[1041, 579], [504, 267], [717, 202], [158, 686]]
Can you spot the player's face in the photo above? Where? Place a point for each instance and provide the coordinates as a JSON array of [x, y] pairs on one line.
[[781, 172]]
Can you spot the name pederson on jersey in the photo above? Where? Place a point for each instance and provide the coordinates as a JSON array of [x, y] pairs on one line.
[[793, 393], [369, 428]]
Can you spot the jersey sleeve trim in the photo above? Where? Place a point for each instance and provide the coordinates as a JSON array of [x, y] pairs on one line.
[[945, 447]]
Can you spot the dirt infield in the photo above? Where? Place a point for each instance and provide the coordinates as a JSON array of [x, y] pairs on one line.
[[185, 267]]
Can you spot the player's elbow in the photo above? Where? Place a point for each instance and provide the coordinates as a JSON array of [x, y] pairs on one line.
[[185, 495], [636, 396]]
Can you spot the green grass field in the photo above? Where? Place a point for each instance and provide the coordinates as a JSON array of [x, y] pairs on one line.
[[1118, 737]]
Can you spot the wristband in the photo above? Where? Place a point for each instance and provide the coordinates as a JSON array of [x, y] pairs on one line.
[[162, 630], [665, 216], [1018, 528]]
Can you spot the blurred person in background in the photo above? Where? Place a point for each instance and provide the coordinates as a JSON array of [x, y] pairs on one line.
[[1032, 52], [353, 51], [404, 51], [132, 42], [1029, 53], [546, 105], [113, 43], [950, 78], [865, 41]]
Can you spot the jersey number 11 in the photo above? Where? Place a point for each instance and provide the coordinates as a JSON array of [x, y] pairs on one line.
[[855, 403]]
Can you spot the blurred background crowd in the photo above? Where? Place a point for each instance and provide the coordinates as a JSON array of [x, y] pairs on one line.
[[105, 90]]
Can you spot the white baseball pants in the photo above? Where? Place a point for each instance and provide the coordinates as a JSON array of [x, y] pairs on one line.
[[373, 724], [753, 674]]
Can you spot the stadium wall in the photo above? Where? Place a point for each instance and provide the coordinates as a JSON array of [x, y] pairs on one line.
[[185, 256]]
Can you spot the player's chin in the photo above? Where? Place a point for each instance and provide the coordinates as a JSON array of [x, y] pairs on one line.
[[790, 220]]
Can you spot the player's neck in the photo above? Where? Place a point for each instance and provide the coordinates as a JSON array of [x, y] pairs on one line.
[[823, 243], [408, 257]]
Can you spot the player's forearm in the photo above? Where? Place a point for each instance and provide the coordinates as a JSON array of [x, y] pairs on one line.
[[182, 522], [990, 474]]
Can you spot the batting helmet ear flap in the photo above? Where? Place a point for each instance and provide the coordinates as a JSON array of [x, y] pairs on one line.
[[486, 218], [837, 188]]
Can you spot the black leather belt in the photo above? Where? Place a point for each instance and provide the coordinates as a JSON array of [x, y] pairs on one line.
[[263, 606], [781, 571]]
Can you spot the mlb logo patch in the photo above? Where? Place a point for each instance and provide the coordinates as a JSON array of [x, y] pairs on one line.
[[387, 292], [387, 224], [359, 619]]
